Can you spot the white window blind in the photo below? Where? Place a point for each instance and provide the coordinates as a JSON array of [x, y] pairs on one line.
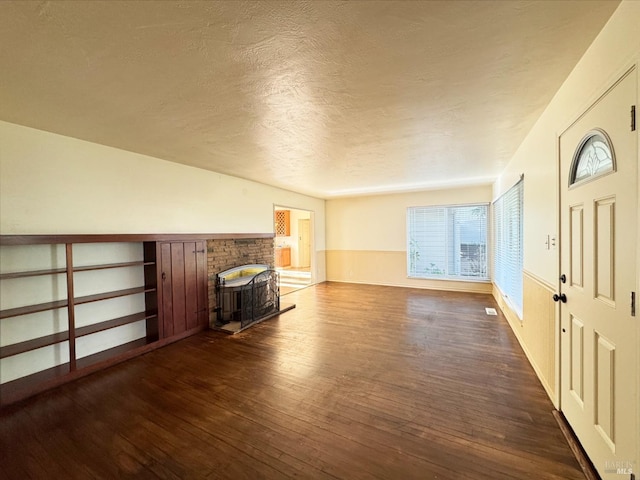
[[508, 239], [448, 242]]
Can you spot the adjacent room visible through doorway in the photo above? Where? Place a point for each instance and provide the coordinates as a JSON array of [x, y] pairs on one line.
[[293, 247]]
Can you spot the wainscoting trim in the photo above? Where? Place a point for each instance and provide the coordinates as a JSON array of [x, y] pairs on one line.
[[525, 331]]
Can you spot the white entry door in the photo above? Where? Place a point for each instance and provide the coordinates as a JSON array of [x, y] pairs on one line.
[[599, 335]]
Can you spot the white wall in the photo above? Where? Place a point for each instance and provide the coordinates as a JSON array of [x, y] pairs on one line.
[[54, 184]]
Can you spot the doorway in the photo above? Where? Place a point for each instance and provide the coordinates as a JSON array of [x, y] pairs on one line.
[[599, 337], [293, 247]]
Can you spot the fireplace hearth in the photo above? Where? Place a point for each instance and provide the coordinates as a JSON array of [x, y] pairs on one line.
[[246, 294]]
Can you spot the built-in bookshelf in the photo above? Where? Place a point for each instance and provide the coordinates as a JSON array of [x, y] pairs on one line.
[[95, 311]]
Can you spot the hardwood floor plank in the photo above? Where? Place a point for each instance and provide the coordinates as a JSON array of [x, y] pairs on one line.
[[357, 382]]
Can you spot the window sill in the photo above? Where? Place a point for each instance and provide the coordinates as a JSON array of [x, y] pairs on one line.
[[450, 279]]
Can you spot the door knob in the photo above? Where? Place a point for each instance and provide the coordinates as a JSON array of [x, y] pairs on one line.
[[560, 298], [563, 278]]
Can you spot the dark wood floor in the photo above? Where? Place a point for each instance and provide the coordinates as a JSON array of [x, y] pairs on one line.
[[357, 382]]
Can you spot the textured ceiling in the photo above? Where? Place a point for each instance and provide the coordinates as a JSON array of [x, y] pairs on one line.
[[324, 98]]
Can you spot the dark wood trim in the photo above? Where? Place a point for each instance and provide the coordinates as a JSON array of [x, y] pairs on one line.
[[33, 273], [33, 344], [151, 275], [71, 310], [587, 467], [116, 322], [41, 307], [125, 237], [24, 387]]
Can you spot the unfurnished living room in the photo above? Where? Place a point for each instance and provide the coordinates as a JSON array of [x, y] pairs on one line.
[[319, 239]]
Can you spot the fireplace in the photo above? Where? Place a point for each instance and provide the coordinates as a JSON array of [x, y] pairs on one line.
[[246, 294]]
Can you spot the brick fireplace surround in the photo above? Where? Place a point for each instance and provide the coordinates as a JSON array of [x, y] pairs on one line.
[[223, 254]]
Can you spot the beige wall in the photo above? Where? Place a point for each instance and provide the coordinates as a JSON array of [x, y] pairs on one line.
[[367, 237], [54, 184], [615, 49]]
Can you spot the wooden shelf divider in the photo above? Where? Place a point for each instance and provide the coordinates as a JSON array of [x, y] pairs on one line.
[[116, 322], [41, 307], [33, 344], [33, 273], [71, 309], [114, 294], [110, 265]]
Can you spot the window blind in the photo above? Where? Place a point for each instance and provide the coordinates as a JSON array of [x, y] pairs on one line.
[[508, 245], [448, 242]]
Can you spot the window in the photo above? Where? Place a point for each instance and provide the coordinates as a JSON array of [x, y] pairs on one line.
[[447, 242], [593, 157], [507, 220]]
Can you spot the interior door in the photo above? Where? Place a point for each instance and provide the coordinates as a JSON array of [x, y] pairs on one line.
[[599, 335], [304, 242]]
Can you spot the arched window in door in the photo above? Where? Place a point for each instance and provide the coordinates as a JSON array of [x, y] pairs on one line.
[[594, 157]]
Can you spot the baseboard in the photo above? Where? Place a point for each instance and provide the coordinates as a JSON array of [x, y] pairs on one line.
[[437, 288], [587, 467]]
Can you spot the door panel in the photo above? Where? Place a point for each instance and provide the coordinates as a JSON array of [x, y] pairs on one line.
[[576, 243], [202, 284], [604, 389], [604, 250], [191, 287], [167, 294], [599, 339], [184, 287], [577, 359], [178, 288]]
